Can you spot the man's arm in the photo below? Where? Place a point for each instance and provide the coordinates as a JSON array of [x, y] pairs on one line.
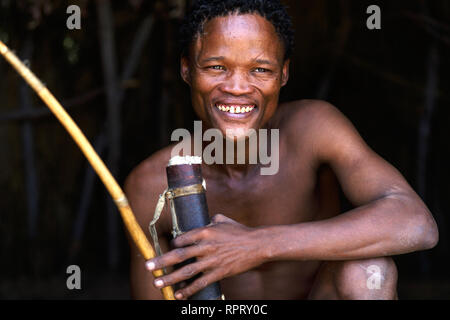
[[389, 217]]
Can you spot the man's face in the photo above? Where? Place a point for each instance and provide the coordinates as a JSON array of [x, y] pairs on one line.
[[236, 70]]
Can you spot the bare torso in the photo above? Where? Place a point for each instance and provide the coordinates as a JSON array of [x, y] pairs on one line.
[[314, 137], [301, 191]]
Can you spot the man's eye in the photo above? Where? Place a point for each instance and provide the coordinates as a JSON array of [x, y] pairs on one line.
[[217, 67], [261, 70]]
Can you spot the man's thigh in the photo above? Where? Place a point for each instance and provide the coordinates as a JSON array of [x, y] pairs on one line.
[[368, 279]]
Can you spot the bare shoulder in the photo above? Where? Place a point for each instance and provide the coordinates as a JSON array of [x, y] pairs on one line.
[[149, 174], [145, 183], [313, 121], [308, 113]]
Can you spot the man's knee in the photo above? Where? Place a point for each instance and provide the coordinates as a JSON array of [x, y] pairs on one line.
[[365, 279]]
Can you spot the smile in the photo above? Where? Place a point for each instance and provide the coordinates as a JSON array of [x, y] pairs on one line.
[[235, 108]]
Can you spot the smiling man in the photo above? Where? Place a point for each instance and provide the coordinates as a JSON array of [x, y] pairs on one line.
[[279, 236]]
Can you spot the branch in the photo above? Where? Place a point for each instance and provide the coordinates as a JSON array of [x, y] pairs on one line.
[[109, 62], [392, 77], [36, 113], [31, 183], [86, 196], [136, 52], [342, 34], [432, 26]]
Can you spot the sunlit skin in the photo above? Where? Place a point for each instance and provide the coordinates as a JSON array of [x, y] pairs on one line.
[[234, 64], [279, 236]]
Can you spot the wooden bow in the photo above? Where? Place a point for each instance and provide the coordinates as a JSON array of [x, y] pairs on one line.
[[102, 171]]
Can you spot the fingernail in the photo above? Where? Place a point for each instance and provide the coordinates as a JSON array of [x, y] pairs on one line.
[[179, 296], [159, 283], [150, 265]]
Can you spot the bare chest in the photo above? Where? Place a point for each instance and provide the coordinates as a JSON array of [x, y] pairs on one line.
[[284, 198]]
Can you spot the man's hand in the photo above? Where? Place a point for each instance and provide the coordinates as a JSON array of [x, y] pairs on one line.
[[223, 248]]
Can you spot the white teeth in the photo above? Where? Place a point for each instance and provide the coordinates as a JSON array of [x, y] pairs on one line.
[[234, 108]]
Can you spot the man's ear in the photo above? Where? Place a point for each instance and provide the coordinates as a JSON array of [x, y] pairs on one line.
[[184, 70], [285, 73]]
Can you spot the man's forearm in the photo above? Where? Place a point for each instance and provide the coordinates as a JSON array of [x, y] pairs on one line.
[[388, 226]]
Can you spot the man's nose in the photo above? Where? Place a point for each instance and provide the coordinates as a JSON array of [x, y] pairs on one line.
[[237, 84]]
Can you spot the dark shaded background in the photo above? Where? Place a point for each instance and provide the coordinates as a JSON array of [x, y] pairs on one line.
[[118, 77]]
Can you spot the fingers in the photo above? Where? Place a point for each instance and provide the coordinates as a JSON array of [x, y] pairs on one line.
[[197, 285], [191, 237], [181, 274], [204, 233], [173, 257]]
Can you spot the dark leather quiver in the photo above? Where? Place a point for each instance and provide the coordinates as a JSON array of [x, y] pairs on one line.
[[192, 212]]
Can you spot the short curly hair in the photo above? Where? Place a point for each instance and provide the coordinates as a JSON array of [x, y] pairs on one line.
[[203, 11]]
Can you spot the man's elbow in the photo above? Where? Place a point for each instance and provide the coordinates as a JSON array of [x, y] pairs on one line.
[[426, 232], [431, 238], [419, 230]]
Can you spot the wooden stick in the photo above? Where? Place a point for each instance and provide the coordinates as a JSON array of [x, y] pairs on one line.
[[108, 180], [32, 114]]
